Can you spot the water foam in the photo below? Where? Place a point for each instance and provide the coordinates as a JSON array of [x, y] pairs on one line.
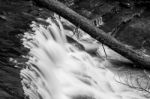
[[57, 70]]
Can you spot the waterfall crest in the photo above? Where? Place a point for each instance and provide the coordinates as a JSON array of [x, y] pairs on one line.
[[57, 70]]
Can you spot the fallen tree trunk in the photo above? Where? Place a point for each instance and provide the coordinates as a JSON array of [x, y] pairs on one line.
[[80, 21]]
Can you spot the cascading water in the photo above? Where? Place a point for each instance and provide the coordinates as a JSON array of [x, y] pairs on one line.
[[57, 70]]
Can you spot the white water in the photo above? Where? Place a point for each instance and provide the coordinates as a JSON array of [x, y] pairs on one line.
[[57, 70]]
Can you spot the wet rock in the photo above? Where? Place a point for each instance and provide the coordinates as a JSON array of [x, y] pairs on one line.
[[15, 19]]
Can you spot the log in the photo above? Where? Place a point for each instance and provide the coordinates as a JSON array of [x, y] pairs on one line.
[[141, 61]]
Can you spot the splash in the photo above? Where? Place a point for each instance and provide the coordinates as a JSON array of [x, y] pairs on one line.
[[57, 70]]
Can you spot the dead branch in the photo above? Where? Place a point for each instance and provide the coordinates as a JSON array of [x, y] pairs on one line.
[[80, 21]]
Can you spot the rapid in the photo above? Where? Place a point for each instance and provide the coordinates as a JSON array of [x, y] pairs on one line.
[[58, 70]]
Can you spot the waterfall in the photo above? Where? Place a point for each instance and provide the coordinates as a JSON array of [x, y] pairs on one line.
[[58, 70]]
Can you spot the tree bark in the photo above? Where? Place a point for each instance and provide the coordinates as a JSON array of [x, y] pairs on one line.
[[80, 21]]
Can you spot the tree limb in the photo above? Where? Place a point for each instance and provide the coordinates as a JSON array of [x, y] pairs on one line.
[[88, 27]]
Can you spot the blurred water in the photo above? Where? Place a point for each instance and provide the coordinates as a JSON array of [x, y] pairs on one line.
[[57, 70]]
